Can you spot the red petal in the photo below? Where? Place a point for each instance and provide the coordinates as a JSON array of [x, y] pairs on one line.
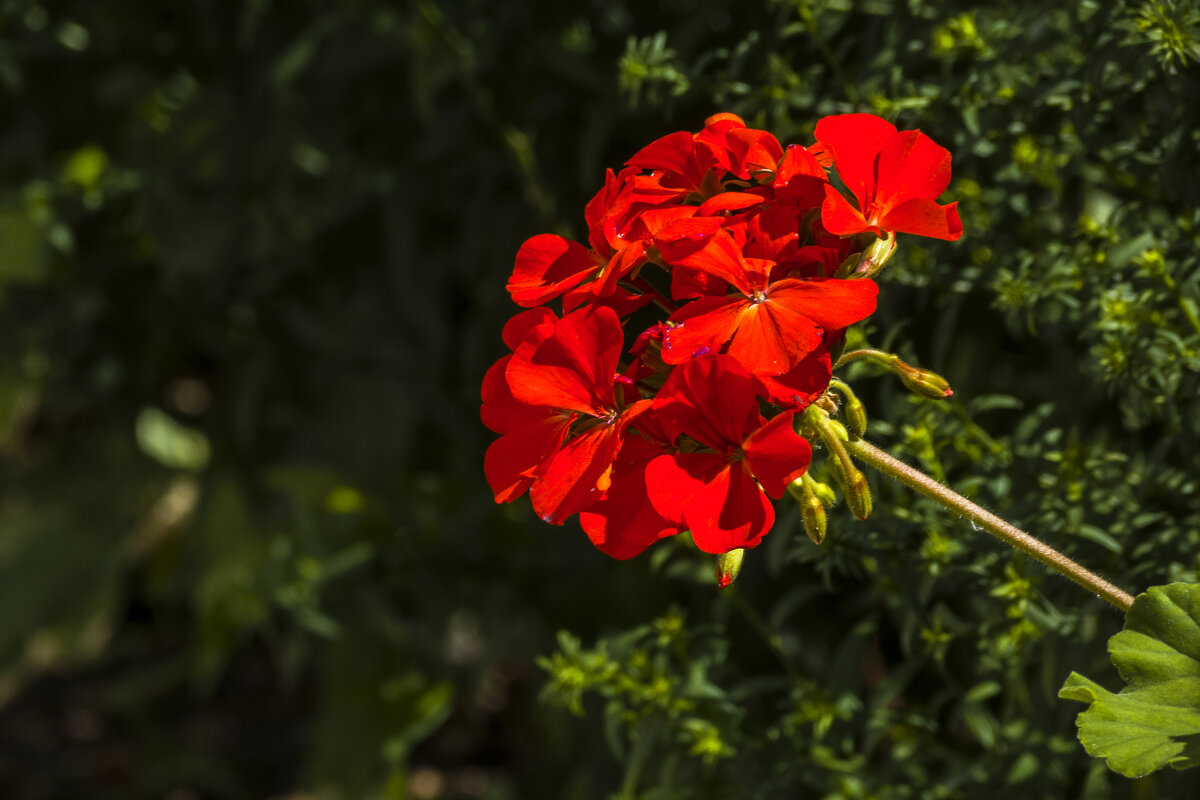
[[731, 512], [672, 480], [728, 201], [797, 162], [620, 301], [777, 455], [701, 327], [711, 399], [625, 522], [673, 152], [572, 368], [655, 219], [773, 338], [799, 387], [831, 304], [725, 117], [752, 152], [546, 266], [517, 328], [568, 481], [924, 218], [512, 461], [856, 139], [500, 412], [839, 217], [720, 257], [911, 165]]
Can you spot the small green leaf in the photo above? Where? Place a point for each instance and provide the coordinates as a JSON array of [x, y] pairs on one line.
[[1155, 720]]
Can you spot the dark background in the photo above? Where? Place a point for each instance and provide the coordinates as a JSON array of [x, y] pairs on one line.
[[252, 259]]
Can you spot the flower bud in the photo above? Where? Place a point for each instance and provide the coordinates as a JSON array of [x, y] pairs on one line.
[[855, 412], [728, 566], [858, 494], [923, 382], [812, 511], [823, 491], [875, 255]]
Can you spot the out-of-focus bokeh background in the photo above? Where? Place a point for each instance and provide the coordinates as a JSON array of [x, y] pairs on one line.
[[252, 259]]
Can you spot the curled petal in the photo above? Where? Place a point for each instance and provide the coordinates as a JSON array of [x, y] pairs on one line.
[[729, 201], [924, 218], [518, 328], [777, 455], [752, 152], [839, 217], [573, 367], [513, 461], [546, 266]]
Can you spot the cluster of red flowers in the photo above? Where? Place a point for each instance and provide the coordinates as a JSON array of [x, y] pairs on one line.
[[646, 427]]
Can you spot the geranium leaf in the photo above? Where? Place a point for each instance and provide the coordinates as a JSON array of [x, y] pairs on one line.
[[1155, 720]]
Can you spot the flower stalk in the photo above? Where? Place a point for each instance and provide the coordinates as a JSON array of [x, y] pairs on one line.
[[1005, 531]]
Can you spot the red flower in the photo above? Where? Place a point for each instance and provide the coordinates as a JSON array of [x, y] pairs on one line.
[[530, 433], [625, 522], [564, 422], [720, 491], [895, 176], [768, 326]]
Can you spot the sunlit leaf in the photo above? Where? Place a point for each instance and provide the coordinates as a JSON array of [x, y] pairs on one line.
[[1155, 720]]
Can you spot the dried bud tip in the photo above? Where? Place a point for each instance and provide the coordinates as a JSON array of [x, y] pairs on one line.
[[728, 566], [924, 382]]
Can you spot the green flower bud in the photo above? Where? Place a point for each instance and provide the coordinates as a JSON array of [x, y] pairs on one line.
[[855, 412], [924, 382], [875, 255], [812, 511], [858, 494], [728, 566], [822, 490]]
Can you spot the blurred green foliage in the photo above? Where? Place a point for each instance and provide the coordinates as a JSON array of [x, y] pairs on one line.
[[252, 259]]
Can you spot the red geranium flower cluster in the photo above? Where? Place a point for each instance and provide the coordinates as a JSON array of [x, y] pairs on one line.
[[645, 426]]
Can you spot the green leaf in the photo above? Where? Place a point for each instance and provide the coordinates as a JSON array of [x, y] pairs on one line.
[[1155, 720]]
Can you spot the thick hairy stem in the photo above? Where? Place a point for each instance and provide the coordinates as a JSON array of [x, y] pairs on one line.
[[1016, 537]]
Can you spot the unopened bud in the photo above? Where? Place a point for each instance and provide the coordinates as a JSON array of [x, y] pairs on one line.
[[924, 382], [847, 267], [812, 511], [728, 566], [823, 491], [874, 257], [839, 430], [855, 412], [858, 494]]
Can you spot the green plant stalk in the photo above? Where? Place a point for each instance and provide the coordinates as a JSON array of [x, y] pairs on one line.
[[940, 493], [877, 355]]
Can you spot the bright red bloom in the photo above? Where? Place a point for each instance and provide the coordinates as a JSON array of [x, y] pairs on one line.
[[749, 236], [530, 433], [720, 491], [625, 522], [559, 389], [768, 326], [895, 176]]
